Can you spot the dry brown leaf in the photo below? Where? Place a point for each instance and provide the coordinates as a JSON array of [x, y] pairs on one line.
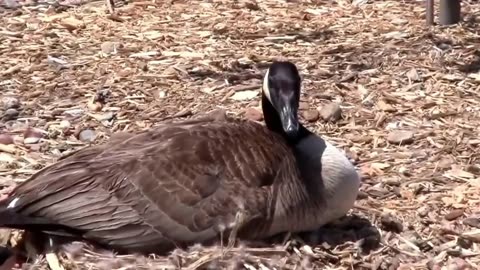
[[379, 165], [153, 34]]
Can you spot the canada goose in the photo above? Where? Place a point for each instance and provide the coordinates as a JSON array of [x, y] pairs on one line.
[[192, 182]]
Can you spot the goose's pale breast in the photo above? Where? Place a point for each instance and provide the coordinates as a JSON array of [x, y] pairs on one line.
[[327, 191]]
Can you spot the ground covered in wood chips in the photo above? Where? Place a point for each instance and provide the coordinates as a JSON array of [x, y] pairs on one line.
[[409, 94]]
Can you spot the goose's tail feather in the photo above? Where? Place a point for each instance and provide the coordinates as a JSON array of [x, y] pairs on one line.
[[9, 218]]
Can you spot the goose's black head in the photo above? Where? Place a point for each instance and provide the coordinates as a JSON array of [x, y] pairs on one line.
[[281, 98]]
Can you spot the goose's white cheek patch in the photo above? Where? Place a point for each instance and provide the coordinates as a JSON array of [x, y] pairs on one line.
[[266, 87]]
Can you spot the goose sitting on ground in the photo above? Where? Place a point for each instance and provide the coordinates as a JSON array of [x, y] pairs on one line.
[[192, 182]]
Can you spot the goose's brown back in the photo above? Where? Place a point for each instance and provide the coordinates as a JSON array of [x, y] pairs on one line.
[[174, 185]]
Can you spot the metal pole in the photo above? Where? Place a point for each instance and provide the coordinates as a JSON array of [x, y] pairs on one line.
[[429, 11], [450, 12]]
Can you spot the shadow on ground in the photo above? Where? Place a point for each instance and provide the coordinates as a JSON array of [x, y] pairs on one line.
[[345, 231]]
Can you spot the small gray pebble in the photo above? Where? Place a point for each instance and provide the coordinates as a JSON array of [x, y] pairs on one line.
[[87, 135], [10, 114]]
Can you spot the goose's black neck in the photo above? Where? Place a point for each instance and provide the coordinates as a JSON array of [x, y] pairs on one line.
[[272, 121]]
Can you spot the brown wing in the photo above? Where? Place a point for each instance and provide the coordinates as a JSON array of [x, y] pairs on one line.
[[175, 185]]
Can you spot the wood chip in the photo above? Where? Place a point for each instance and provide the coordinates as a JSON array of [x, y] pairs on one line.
[[72, 23], [382, 105], [245, 95], [53, 261], [413, 75]]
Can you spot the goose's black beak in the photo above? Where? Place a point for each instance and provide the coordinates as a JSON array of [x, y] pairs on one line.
[[289, 118], [290, 124]]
